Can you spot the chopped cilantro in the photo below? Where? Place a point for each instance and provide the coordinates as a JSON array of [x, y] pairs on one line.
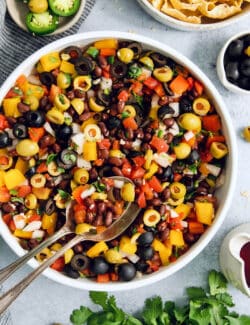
[[64, 195], [51, 158]]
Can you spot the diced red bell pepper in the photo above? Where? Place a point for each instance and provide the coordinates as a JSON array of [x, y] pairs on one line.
[[139, 161], [211, 123], [155, 184], [137, 173], [104, 144], [148, 191], [151, 82], [215, 138], [126, 169], [206, 156], [123, 95], [3, 122], [130, 123], [58, 265], [141, 201], [159, 144]]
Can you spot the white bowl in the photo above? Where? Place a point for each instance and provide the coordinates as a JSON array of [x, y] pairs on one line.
[[182, 25], [221, 69], [224, 194], [18, 11]]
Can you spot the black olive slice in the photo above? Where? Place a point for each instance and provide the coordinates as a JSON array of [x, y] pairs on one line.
[[168, 90], [164, 110], [47, 79], [133, 154], [68, 270], [68, 157], [159, 59], [136, 48], [118, 69], [185, 105], [35, 118], [73, 51], [30, 172], [49, 207], [20, 131], [84, 65], [103, 99], [79, 262], [113, 122]]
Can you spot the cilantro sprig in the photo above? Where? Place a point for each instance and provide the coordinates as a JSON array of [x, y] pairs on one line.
[[204, 307]]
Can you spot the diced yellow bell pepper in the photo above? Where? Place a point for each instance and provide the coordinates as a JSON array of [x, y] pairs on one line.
[[148, 159], [67, 67], [113, 256], [153, 112], [49, 221], [2, 181], [13, 178], [78, 105], [44, 254], [163, 251], [91, 120], [39, 67], [176, 238], [23, 234], [116, 153], [99, 196], [41, 193], [127, 246], [83, 227], [106, 44], [204, 212], [89, 150], [152, 170], [128, 192], [22, 165], [97, 249], [68, 255], [10, 107], [34, 90], [50, 61], [55, 247], [183, 210]]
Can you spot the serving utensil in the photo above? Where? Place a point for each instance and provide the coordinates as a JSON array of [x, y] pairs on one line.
[[114, 230]]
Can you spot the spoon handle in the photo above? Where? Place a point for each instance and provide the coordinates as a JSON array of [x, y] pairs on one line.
[[7, 271], [8, 297]]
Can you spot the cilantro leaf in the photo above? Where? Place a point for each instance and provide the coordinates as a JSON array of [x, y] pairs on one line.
[[132, 321], [195, 293], [217, 282], [80, 316], [99, 298], [64, 195], [152, 310], [51, 158], [225, 298], [181, 314], [199, 313], [242, 320]]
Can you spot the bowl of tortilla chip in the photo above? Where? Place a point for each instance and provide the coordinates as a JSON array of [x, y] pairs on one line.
[[196, 15]]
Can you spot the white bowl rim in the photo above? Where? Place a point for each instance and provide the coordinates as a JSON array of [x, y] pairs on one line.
[[220, 65], [196, 248], [183, 25]]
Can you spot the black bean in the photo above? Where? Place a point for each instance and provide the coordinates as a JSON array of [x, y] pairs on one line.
[[115, 161], [108, 218]]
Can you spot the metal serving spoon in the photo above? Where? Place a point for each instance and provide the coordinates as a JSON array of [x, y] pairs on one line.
[[114, 230]]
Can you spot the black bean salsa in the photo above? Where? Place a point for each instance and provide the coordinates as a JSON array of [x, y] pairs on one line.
[[110, 108]]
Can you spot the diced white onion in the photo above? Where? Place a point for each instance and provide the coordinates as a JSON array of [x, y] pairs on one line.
[[173, 213], [76, 128], [174, 129], [176, 107], [79, 140], [34, 80], [32, 226], [136, 144], [214, 170], [122, 142], [49, 129], [82, 163], [96, 81], [146, 72], [90, 93], [188, 135], [57, 180], [132, 257], [163, 159], [38, 234], [155, 100], [106, 83], [88, 192], [118, 184], [19, 221], [184, 223]]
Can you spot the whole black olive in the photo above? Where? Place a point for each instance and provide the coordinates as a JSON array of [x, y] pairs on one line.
[[126, 271], [235, 48], [84, 65], [35, 118], [20, 131], [159, 59], [113, 122], [244, 83], [141, 266], [118, 69], [64, 132], [145, 252], [246, 40], [185, 105], [69, 271], [167, 175], [47, 79], [68, 157], [79, 262], [232, 70], [5, 140], [145, 238], [245, 67], [133, 154], [193, 157], [165, 110], [99, 265], [30, 172], [188, 181]]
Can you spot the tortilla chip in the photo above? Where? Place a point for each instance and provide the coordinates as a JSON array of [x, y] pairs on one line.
[[220, 11], [186, 16], [157, 3], [181, 5]]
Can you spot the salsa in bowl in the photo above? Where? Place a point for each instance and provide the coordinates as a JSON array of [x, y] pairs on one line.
[[104, 104]]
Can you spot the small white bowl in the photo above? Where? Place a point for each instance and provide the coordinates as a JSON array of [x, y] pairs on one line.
[[182, 25], [224, 193], [18, 11], [221, 69], [231, 263]]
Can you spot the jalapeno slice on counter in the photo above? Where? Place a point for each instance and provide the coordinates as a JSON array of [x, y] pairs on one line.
[[64, 8], [41, 24]]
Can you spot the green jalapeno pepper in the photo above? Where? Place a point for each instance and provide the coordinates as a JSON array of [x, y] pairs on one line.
[[64, 8], [41, 24]]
